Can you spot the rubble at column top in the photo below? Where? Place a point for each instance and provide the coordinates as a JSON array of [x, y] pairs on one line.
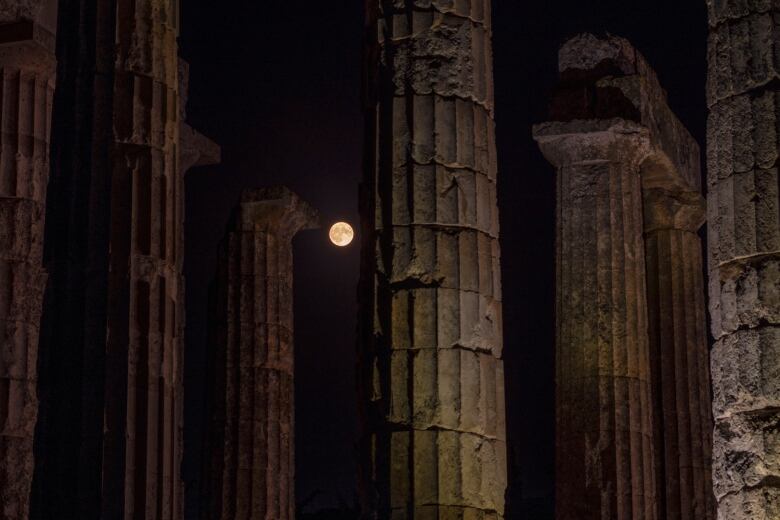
[[603, 78]]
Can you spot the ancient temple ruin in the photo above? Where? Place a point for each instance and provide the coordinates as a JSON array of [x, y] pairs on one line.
[[251, 468], [633, 435], [655, 419], [744, 253], [27, 76], [432, 344]]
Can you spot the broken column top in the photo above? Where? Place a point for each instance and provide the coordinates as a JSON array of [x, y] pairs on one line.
[[607, 78], [274, 208], [43, 12], [195, 149], [33, 24]]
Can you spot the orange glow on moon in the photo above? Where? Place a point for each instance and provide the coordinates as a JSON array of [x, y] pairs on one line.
[[341, 234]]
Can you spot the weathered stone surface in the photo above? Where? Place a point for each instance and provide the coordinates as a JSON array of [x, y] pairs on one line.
[[109, 444], [744, 248], [14, 11], [27, 78], [743, 50], [142, 442], [435, 442], [604, 434], [605, 78], [251, 469], [610, 115], [746, 371], [679, 354]]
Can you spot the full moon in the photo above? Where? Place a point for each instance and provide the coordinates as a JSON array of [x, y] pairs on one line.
[[341, 234]]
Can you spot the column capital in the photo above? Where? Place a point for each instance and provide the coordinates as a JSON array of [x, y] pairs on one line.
[[592, 141], [195, 149], [606, 78], [684, 211], [276, 210]]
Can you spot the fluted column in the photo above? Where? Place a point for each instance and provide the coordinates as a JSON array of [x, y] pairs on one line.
[[679, 353], [252, 398], [744, 251], [604, 457], [27, 75], [431, 355], [140, 474]]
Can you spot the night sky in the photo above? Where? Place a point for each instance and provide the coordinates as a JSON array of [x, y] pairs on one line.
[[277, 84]]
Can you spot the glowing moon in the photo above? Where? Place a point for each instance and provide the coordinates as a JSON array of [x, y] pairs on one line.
[[341, 234]]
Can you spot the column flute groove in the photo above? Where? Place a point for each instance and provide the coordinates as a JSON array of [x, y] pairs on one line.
[[743, 145], [432, 387], [27, 78], [251, 472]]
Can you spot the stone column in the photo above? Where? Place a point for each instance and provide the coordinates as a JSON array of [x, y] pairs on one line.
[[605, 81], [252, 396], [679, 352], [140, 474], [604, 457], [109, 442], [27, 75], [744, 251], [431, 354]]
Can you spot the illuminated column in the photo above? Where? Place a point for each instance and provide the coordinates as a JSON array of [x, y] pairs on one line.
[[252, 466], [431, 349], [744, 252], [604, 445], [608, 88], [27, 75]]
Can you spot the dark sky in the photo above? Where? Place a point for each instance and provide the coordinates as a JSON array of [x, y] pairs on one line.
[[277, 84]]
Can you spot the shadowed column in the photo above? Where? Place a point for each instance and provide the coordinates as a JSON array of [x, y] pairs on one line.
[[27, 75], [604, 455], [679, 352], [251, 397], [194, 150], [109, 441], [140, 476], [431, 352], [744, 251]]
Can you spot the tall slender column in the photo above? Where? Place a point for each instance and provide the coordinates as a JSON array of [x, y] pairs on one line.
[[140, 444], [433, 390], [69, 434], [679, 353], [27, 75], [604, 459], [252, 394], [744, 250]]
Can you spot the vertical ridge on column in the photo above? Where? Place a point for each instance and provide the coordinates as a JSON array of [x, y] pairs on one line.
[[434, 440], [679, 351], [744, 252], [604, 455], [27, 76], [251, 411], [142, 359]]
